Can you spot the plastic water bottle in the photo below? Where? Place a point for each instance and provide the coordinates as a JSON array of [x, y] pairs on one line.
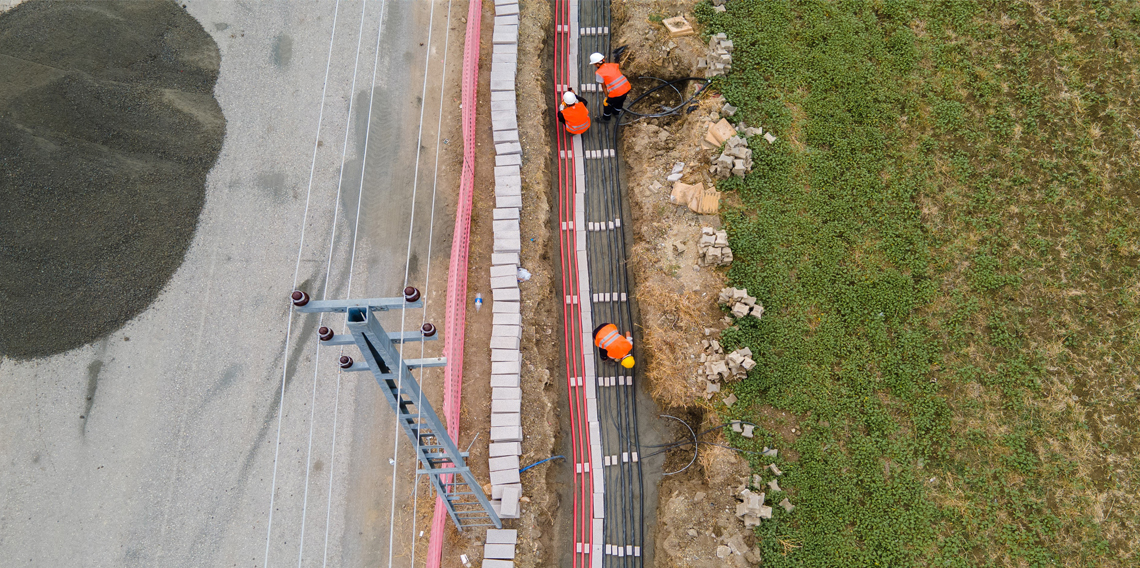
[[478, 302]]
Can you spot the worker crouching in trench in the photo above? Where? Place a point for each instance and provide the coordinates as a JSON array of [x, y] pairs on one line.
[[613, 346]]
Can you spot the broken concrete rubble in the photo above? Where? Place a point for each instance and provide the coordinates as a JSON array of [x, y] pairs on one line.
[[736, 159], [719, 59], [741, 303], [719, 366], [713, 247]]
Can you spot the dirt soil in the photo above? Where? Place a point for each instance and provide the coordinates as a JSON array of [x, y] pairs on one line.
[[541, 342], [676, 294], [108, 127]]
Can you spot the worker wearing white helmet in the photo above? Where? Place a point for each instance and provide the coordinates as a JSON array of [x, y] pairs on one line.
[[617, 86], [573, 113]]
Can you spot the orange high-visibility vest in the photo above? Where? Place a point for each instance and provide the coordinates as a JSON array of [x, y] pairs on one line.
[[615, 344], [577, 118], [616, 83]]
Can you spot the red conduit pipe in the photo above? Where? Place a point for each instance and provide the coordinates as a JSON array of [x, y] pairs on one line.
[[574, 348], [455, 317]]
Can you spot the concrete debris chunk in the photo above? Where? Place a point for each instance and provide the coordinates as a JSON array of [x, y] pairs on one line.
[[747, 433], [775, 469], [774, 485], [729, 109], [787, 505], [736, 426], [770, 452], [713, 247], [765, 512], [730, 400], [719, 53], [678, 26]]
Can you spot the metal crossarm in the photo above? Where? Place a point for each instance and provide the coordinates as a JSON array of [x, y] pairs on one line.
[[438, 456]]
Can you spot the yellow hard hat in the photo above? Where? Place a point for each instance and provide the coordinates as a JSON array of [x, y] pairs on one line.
[[627, 361]]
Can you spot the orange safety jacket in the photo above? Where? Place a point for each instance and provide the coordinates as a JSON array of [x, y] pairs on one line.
[[616, 83], [577, 118], [615, 344]]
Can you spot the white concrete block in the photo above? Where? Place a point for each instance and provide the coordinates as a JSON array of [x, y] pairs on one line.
[[504, 282], [493, 563], [506, 319], [508, 35], [510, 159], [511, 502], [505, 448], [511, 58], [506, 406], [501, 85], [505, 214], [508, 148], [506, 9], [504, 342], [506, 393], [505, 355], [503, 96], [506, 419], [506, 20], [505, 48], [507, 244], [508, 201], [505, 381], [497, 490], [502, 536], [503, 463], [501, 551], [503, 70], [504, 270], [506, 225], [507, 170], [507, 434], [506, 135], [506, 331], [506, 257], [505, 307], [504, 120]]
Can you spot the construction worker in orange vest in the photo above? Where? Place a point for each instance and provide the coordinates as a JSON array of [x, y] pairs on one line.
[[573, 113], [617, 86], [613, 346]]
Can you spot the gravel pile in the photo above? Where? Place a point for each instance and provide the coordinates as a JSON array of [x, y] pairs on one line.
[[108, 127]]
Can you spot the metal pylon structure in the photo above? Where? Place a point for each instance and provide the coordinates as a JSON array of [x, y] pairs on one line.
[[438, 456]]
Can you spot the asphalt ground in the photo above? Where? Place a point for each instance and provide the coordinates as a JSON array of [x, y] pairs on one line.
[[165, 443]]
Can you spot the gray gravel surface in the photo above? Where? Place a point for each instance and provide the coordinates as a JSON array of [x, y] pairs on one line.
[[155, 445], [108, 126]]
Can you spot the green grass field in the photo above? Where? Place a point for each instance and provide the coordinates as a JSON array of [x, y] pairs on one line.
[[945, 239]]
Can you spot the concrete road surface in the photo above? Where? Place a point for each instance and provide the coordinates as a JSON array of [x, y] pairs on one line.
[[165, 443]]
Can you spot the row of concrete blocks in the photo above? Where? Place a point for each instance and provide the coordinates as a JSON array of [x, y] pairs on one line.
[[603, 225], [499, 549], [506, 368], [565, 28], [506, 327]]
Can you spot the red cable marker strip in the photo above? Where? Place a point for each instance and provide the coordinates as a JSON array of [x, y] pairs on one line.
[[456, 301]]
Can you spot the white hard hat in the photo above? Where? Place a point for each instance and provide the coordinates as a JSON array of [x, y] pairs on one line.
[[569, 98], [597, 58]]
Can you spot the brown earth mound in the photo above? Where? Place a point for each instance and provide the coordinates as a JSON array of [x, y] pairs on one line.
[[108, 127]]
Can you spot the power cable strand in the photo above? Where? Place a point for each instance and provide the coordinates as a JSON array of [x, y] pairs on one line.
[[351, 266], [427, 278], [325, 288], [296, 273], [404, 309]]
